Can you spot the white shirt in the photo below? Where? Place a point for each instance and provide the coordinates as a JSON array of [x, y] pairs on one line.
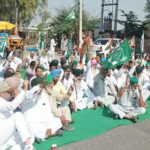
[[15, 63], [52, 45], [7, 107]]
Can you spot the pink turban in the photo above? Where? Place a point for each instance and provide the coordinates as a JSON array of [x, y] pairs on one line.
[[93, 62]]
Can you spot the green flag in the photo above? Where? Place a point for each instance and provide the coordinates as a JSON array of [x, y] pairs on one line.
[[71, 16], [2, 46], [119, 56]]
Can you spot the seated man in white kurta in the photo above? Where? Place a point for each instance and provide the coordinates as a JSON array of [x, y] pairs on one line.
[[104, 87], [130, 103], [13, 131], [91, 73], [144, 79], [84, 96], [37, 113]]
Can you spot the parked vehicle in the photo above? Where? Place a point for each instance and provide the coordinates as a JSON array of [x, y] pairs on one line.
[[102, 44]]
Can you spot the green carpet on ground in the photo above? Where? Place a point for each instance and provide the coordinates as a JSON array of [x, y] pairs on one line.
[[88, 123]]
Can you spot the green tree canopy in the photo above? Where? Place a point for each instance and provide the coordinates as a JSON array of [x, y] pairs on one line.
[[131, 23], [61, 25], [26, 10]]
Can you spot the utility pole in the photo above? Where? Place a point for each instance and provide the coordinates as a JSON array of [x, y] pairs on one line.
[[106, 4], [16, 17], [80, 23], [102, 11], [116, 16]]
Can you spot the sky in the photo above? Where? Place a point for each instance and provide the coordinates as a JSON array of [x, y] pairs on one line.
[[94, 7]]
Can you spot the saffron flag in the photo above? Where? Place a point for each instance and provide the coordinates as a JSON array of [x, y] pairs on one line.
[[119, 56]]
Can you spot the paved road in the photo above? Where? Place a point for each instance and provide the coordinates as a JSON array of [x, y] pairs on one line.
[[131, 137]]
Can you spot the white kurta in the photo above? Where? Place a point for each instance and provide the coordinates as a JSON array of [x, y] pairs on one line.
[[84, 96], [144, 81], [44, 62], [90, 77], [15, 63], [52, 48], [110, 93], [68, 82], [128, 104], [38, 115], [10, 122]]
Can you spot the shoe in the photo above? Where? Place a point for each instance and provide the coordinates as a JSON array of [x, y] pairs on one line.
[[116, 117], [38, 140], [59, 132], [29, 147], [134, 119], [68, 127]]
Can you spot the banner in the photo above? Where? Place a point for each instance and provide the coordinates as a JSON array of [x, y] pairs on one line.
[[119, 56]]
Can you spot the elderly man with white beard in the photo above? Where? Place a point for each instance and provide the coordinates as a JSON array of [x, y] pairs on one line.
[[84, 96], [92, 72]]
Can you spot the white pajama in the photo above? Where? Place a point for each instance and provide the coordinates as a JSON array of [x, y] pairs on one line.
[[10, 125], [10, 122], [38, 115], [128, 104], [84, 95], [106, 100], [122, 111]]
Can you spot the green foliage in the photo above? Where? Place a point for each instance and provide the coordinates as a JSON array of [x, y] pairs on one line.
[[131, 23], [147, 9], [62, 26], [26, 10]]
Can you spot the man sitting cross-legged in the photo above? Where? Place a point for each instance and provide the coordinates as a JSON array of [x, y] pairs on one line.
[[130, 103]]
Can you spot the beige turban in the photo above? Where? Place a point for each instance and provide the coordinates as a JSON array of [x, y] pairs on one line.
[[4, 86], [13, 81]]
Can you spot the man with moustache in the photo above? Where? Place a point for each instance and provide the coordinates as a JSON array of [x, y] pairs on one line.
[[92, 72], [84, 96]]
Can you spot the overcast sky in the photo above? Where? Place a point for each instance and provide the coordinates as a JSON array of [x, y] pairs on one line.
[[94, 7]]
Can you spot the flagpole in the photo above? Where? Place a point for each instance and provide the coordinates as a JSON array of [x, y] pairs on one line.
[[80, 23]]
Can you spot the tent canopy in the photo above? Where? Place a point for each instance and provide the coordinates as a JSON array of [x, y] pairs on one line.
[[6, 25]]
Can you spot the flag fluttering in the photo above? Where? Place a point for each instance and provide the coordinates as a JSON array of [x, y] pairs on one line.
[[119, 56], [71, 16]]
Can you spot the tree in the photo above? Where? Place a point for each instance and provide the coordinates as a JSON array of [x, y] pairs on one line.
[[131, 23], [62, 26], [147, 9], [22, 10]]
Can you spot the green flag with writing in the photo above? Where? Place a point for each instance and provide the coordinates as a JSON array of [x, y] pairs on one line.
[[119, 56]]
